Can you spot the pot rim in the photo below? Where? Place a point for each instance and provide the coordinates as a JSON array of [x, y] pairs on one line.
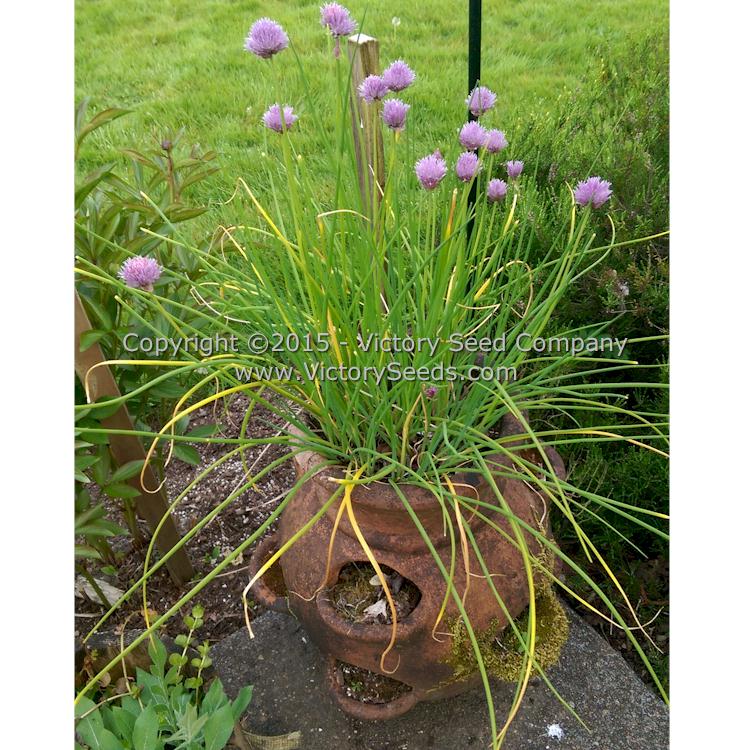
[[378, 495], [260, 590], [381, 497]]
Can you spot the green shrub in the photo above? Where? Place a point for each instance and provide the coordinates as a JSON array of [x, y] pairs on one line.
[[616, 125]]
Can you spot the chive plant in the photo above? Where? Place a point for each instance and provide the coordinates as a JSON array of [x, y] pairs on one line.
[[397, 340]]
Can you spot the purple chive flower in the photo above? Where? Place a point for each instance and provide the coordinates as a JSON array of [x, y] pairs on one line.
[[430, 170], [472, 136], [496, 190], [373, 88], [266, 38], [480, 100], [140, 272], [514, 169], [394, 113], [398, 76], [430, 391], [595, 192], [467, 166], [272, 118], [496, 141], [337, 19]]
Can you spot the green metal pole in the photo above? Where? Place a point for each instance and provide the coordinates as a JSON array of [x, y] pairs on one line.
[[475, 57], [475, 45]]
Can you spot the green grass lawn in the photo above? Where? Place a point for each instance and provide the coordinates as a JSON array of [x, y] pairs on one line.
[[181, 64]]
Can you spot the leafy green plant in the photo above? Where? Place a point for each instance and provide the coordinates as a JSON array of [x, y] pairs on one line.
[[165, 708], [316, 287], [94, 462], [119, 215], [112, 208], [92, 527]]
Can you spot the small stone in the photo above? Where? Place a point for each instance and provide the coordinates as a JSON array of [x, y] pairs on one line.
[[555, 731]]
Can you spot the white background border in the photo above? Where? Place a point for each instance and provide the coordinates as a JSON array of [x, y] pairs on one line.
[[710, 293]]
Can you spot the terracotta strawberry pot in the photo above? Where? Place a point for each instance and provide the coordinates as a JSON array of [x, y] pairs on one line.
[[420, 666]]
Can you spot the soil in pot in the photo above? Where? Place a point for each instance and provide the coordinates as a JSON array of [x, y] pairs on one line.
[[274, 577], [358, 596], [366, 686]]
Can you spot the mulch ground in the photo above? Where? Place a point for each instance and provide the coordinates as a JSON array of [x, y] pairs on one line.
[[222, 598]]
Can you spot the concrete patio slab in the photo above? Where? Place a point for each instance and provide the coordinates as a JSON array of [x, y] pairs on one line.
[[286, 670]]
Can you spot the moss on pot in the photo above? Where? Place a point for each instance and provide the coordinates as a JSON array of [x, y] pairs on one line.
[[502, 653]]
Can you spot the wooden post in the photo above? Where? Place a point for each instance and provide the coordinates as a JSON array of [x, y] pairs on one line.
[[126, 448], [364, 54]]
